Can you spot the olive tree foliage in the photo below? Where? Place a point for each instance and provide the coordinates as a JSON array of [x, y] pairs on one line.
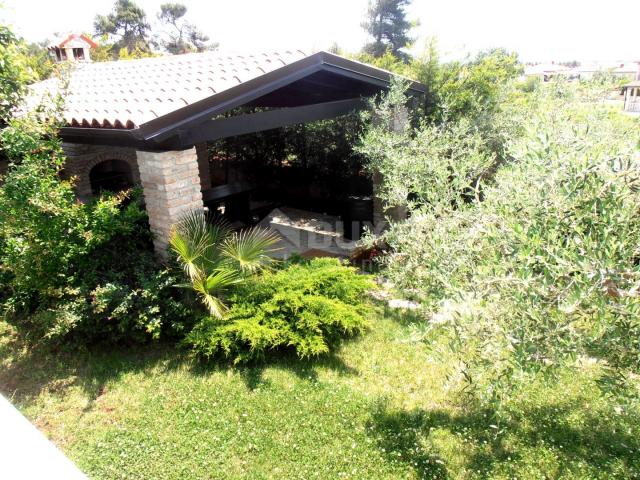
[[476, 89], [387, 24], [528, 266], [181, 36], [434, 167]]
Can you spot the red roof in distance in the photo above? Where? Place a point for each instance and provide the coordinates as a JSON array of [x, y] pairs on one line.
[[74, 36]]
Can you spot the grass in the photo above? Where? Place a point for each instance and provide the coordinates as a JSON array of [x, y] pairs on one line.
[[378, 408]]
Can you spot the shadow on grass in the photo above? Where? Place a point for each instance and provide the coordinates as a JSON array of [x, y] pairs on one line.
[[30, 371], [601, 447], [27, 372], [253, 373], [402, 316]]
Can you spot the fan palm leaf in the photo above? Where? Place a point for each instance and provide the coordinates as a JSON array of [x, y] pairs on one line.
[[214, 259], [210, 287], [196, 240], [250, 249]]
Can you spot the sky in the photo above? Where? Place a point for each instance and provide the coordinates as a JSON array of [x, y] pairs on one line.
[[538, 30]]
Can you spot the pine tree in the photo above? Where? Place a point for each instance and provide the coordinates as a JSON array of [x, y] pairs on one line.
[[182, 36], [388, 25], [128, 24]]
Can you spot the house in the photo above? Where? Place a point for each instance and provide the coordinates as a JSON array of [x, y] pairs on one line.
[[631, 92], [627, 70], [71, 48], [545, 71], [148, 121], [586, 71]]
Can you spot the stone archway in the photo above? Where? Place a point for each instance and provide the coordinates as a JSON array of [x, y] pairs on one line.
[[111, 176], [81, 160]]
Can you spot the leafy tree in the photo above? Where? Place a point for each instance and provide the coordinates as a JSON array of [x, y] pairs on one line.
[[473, 88], [59, 271], [127, 24], [105, 51], [334, 48], [14, 74], [39, 60], [182, 37], [66, 267], [525, 266], [388, 25]]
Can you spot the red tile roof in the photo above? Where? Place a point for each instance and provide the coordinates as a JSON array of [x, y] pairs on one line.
[[129, 93]]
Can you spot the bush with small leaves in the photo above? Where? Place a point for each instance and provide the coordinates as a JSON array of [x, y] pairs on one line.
[[308, 307], [538, 269]]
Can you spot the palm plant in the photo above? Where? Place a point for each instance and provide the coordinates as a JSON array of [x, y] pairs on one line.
[[215, 258]]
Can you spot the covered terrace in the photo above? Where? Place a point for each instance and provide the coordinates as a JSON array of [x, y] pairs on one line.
[[148, 121]]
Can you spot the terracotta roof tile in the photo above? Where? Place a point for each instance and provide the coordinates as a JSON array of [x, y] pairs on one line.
[[129, 93]]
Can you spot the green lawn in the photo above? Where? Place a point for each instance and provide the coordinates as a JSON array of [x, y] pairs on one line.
[[379, 408]]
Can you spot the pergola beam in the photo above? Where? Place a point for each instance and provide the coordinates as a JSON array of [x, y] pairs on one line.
[[268, 120]]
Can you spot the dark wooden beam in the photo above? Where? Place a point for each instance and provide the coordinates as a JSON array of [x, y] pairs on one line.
[[261, 121]]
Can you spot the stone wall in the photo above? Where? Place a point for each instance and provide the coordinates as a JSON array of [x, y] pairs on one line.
[[82, 158], [171, 180]]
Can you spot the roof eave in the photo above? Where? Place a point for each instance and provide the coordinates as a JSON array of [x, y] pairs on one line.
[[154, 134], [159, 129], [361, 70], [104, 136]]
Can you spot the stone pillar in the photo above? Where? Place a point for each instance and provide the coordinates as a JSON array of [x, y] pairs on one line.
[[203, 165], [171, 185]]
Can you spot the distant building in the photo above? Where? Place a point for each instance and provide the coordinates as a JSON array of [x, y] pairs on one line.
[[72, 48], [631, 93], [628, 70], [545, 71], [587, 71]]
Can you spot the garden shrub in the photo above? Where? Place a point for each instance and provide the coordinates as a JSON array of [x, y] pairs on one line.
[[542, 269], [308, 307], [71, 270]]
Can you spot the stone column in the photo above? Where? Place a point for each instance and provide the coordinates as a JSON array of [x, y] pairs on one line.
[[171, 185]]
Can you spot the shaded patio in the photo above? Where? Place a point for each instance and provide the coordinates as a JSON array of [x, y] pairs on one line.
[[307, 233], [152, 118]]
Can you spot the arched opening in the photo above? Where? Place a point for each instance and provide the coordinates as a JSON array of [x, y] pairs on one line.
[[111, 176]]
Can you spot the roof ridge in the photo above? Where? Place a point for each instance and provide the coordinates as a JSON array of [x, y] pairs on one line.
[[209, 53]]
